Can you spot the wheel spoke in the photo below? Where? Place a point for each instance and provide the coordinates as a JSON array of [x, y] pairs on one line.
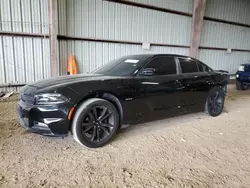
[[94, 134], [98, 135], [211, 100], [216, 95], [91, 116], [88, 129], [105, 117], [105, 130], [218, 102], [87, 124], [218, 106], [106, 125], [214, 109], [103, 113], [210, 105], [95, 113]]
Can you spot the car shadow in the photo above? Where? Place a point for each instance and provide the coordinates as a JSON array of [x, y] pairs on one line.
[[150, 126]]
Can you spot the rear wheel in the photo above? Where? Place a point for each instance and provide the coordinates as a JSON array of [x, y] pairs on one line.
[[215, 101], [241, 86], [95, 123]]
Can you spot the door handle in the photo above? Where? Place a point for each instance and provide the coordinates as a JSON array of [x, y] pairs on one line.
[[177, 81], [196, 76]]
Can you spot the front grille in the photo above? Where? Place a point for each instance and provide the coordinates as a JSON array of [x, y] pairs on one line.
[[30, 99], [245, 77]]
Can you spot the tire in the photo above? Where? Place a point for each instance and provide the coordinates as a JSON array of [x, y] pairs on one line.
[[92, 125], [215, 101], [240, 86]]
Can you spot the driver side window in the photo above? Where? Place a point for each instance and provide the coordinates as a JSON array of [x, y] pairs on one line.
[[163, 65]]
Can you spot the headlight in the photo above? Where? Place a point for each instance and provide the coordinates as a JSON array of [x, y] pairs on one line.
[[241, 68], [237, 76], [50, 98]]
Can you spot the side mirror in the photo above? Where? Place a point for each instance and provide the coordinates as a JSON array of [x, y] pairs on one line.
[[148, 72]]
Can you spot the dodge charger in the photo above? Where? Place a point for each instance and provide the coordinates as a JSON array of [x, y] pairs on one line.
[[123, 92]]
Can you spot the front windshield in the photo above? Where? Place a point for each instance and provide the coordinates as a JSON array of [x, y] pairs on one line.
[[124, 66]]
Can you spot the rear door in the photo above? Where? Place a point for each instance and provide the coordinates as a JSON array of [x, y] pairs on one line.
[[196, 82]]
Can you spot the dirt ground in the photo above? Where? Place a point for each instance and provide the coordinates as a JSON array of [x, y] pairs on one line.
[[189, 151]]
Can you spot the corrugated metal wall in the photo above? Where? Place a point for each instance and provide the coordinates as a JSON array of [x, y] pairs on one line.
[[179, 5], [91, 55], [24, 59], [115, 21], [24, 16], [108, 20], [221, 35], [220, 60], [231, 10], [225, 36]]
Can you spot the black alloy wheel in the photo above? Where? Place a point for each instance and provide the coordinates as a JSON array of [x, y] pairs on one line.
[[215, 101], [98, 124], [95, 122]]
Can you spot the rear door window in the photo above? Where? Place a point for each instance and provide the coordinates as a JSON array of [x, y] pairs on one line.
[[188, 65], [201, 67]]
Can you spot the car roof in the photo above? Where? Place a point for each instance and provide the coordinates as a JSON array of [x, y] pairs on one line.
[[159, 54]]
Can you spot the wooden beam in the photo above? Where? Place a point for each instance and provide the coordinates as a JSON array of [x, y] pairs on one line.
[[53, 32], [197, 22]]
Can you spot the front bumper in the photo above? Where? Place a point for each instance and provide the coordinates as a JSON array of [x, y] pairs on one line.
[[243, 77], [44, 120]]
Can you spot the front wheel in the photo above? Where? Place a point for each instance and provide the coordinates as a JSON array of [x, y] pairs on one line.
[[95, 123], [241, 86], [215, 101]]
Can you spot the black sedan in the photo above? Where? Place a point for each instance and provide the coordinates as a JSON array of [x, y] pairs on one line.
[[128, 90]]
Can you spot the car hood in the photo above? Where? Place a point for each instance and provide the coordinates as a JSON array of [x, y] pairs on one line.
[[66, 80]]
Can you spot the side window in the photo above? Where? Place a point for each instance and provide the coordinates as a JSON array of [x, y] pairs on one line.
[[163, 65], [206, 68], [188, 66], [201, 67]]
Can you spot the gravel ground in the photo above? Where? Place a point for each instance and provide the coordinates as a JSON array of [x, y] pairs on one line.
[[189, 151]]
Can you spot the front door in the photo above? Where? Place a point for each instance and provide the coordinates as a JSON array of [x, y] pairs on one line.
[[162, 91]]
